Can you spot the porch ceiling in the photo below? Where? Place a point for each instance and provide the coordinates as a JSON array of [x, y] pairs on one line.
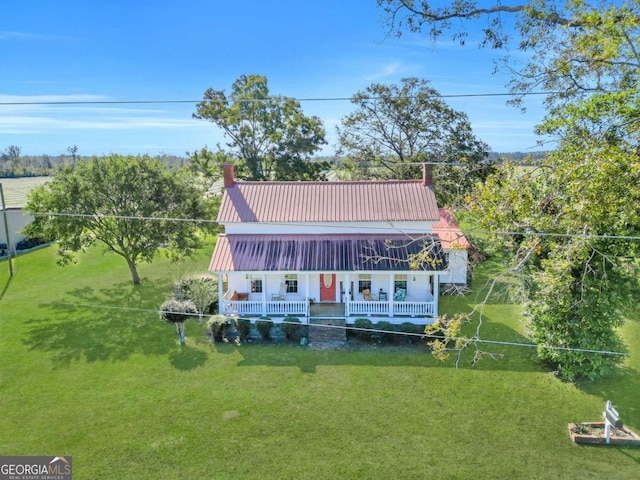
[[323, 253]]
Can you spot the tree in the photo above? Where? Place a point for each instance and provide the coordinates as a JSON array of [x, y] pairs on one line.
[[394, 127], [129, 204], [573, 48], [574, 215], [270, 136], [73, 151], [202, 291], [11, 158], [209, 163], [177, 312]]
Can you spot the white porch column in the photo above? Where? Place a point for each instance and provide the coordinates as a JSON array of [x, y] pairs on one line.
[[392, 281], [263, 278], [220, 294], [306, 285], [306, 295], [436, 294], [347, 294]]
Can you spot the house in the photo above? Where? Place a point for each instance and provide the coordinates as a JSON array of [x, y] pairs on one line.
[[375, 248], [13, 217]]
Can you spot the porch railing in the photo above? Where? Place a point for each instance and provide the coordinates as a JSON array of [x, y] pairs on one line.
[[287, 308], [389, 308], [300, 307], [279, 307], [367, 308], [413, 308]]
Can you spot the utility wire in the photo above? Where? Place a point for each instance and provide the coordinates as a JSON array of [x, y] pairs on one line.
[[270, 99], [345, 227], [366, 330]]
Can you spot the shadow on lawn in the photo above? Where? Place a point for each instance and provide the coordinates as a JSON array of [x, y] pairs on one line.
[[6, 287], [357, 352], [623, 389], [109, 324], [187, 358]]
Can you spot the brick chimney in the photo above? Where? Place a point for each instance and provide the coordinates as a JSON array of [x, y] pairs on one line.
[[227, 174], [427, 175]]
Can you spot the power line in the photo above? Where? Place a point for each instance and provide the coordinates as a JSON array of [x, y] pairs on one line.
[[367, 330], [346, 227], [268, 99]]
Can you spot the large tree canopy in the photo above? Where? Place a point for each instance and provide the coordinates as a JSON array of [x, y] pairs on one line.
[[127, 203], [575, 220], [573, 47], [270, 135], [396, 126]]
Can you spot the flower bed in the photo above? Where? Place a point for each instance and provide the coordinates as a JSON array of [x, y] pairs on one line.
[[592, 433]]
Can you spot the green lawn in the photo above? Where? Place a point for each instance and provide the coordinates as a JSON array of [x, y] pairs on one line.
[[86, 371]]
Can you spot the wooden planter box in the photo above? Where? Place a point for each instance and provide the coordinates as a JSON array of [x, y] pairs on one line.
[[622, 436]]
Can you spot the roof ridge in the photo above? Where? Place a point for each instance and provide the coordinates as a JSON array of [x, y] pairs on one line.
[[318, 182]]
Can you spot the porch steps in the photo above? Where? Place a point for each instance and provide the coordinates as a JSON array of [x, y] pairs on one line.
[[322, 332]]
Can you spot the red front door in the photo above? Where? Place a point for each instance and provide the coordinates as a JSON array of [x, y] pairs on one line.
[[327, 287]]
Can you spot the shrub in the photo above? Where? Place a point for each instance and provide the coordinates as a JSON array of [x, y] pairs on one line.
[[264, 326], [291, 326], [243, 327], [218, 327], [27, 243], [173, 310], [387, 327], [408, 327], [203, 291], [363, 324], [177, 312]]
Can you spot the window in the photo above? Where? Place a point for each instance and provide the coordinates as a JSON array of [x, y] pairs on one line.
[[364, 282], [400, 281], [292, 283], [256, 285]]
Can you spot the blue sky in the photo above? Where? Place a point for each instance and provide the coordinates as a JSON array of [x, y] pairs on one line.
[[117, 50]]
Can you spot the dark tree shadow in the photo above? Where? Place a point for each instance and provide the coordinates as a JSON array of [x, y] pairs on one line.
[[623, 389], [187, 358], [108, 324], [6, 287], [368, 353]]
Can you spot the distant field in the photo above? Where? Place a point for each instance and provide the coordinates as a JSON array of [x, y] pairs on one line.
[[16, 190]]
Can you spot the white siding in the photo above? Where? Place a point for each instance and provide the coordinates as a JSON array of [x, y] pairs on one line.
[[17, 220], [394, 228], [457, 271]]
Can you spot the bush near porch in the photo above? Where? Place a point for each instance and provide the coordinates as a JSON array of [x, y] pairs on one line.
[[88, 370]]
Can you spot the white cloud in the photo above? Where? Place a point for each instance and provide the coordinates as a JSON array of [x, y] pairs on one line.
[[34, 114], [385, 71], [6, 35], [43, 124]]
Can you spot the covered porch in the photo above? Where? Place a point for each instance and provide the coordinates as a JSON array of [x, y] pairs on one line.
[[298, 277], [398, 297]]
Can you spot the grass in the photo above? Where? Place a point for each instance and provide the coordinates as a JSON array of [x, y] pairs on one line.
[[87, 370]]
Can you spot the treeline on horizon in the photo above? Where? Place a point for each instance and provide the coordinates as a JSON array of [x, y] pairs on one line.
[[13, 164]]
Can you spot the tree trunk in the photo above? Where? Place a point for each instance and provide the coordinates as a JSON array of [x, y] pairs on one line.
[[134, 271], [181, 333]]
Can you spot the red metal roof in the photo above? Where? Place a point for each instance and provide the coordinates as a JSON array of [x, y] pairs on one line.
[[394, 200], [259, 253], [448, 232]]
